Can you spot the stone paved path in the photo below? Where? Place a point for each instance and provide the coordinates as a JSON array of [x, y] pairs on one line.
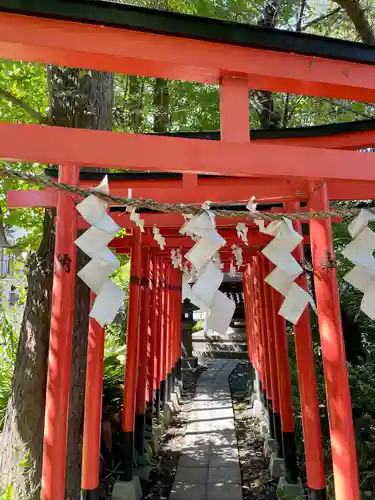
[[209, 468]]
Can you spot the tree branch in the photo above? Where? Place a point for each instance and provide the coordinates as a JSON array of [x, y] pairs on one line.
[[320, 18], [4, 94], [341, 105], [356, 14]]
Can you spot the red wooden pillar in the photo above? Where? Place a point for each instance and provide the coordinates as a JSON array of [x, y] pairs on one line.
[[255, 325], [140, 405], [179, 324], [285, 389], [234, 109], [163, 335], [307, 387], [275, 417], [174, 311], [151, 386], [132, 349], [93, 410], [344, 460], [261, 331], [247, 298], [264, 313], [158, 333], [169, 330], [60, 342]]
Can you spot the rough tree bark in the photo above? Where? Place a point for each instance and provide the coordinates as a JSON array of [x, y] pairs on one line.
[[358, 17], [78, 98]]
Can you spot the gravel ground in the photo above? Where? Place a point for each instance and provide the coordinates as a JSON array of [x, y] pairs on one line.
[[256, 480]]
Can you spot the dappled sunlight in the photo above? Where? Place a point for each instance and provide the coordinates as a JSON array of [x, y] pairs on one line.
[[209, 464]]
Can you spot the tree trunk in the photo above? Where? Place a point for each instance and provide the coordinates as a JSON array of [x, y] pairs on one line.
[[357, 15], [78, 98], [269, 116], [162, 116]]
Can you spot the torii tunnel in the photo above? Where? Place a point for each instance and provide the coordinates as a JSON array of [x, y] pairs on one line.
[[292, 170]]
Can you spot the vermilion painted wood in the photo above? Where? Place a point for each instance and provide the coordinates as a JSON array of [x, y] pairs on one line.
[[179, 313], [236, 190], [169, 320], [255, 327], [153, 326], [264, 312], [261, 327], [60, 343], [159, 318], [164, 320], [307, 383], [132, 340], [124, 51], [257, 321], [93, 405], [282, 358], [103, 149], [354, 140], [270, 338], [333, 351], [246, 295], [257, 241], [175, 318], [140, 405], [167, 326], [234, 109]]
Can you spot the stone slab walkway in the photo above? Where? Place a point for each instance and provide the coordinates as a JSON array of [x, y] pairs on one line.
[[209, 467]]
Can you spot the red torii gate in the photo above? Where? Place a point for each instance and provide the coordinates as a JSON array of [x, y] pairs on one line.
[[113, 37]]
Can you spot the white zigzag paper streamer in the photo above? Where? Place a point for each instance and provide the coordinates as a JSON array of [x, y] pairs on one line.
[[287, 269], [176, 258], [232, 270], [360, 252], [203, 256], [136, 218], [160, 240], [242, 231], [237, 252], [93, 242]]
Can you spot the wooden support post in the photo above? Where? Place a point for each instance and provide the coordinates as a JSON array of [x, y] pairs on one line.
[[234, 109], [276, 418], [132, 350], [179, 325], [307, 386], [344, 461], [285, 390], [265, 328], [60, 342], [151, 385], [93, 410], [163, 335], [174, 311], [159, 334], [255, 329], [261, 332], [140, 406], [247, 299], [169, 331]]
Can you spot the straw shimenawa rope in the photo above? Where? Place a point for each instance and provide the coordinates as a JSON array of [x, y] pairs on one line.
[[138, 203]]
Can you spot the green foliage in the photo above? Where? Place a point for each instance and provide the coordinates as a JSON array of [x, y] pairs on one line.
[[199, 325]]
